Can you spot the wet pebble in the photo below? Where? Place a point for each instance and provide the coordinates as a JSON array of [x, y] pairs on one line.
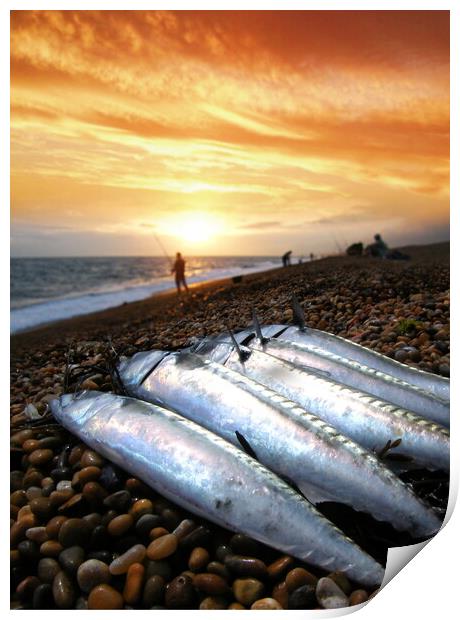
[[40, 457], [133, 555], [247, 591], [302, 598], [162, 547], [37, 534], [218, 569], [92, 573], [119, 501], [94, 493], [279, 567], [74, 532], [341, 580], [71, 558], [63, 591], [243, 545], [158, 567], [246, 566], [281, 594], [54, 525], [266, 603], [89, 458], [51, 549], [104, 596], [185, 527], [180, 593], [210, 583], [43, 597], [153, 593], [29, 550], [20, 527], [140, 508], [33, 492], [444, 370], [47, 570], [329, 595], [236, 606], [199, 537], [132, 591], [357, 597], [214, 602], [26, 588], [120, 525], [41, 507], [299, 577], [87, 474], [18, 498], [158, 532], [146, 524], [199, 558]]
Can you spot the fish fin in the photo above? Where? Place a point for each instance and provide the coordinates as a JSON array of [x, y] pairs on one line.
[[243, 355], [383, 453], [262, 340], [246, 445], [313, 494], [298, 313]]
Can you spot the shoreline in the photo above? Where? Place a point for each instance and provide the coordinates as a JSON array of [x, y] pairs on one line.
[[36, 313], [165, 308], [114, 313]]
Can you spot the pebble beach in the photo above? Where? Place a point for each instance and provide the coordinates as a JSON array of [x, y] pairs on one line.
[[87, 535]]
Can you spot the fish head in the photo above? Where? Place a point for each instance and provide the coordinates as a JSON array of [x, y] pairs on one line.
[[134, 370], [74, 409]]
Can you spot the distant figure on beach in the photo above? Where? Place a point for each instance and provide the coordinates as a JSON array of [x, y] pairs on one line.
[[286, 258], [379, 248], [312, 256], [355, 249], [179, 270]]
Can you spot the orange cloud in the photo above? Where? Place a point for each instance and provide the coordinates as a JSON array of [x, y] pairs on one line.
[[128, 114]]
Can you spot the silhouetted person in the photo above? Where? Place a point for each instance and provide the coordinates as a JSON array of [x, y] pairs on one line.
[[378, 249], [286, 258], [179, 270]]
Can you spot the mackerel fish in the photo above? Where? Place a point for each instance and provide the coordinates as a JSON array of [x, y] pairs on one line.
[[434, 384], [370, 422], [211, 478], [353, 374], [295, 444]]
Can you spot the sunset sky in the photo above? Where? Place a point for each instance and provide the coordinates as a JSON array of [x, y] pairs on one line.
[[227, 132]]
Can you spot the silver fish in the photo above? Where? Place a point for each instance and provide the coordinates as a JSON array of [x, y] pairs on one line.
[[353, 374], [370, 422], [208, 476], [289, 440], [436, 385]]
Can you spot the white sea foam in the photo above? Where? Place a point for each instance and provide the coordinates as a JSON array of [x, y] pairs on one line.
[[52, 310]]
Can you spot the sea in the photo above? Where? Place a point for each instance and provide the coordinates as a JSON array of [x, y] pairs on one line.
[[44, 290]]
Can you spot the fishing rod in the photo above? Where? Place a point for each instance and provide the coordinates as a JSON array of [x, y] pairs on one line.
[[163, 249]]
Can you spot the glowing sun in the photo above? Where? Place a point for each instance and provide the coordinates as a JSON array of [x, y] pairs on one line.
[[195, 227]]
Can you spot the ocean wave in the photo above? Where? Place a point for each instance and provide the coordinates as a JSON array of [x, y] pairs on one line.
[[77, 304]]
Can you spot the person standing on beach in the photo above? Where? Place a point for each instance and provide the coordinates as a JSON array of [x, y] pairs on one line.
[[286, 258], [179, 270]]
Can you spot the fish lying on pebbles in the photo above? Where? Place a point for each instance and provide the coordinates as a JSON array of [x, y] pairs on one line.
[[210, 477], [370, 422], [323, 463], [351, 373], [438, 386]]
